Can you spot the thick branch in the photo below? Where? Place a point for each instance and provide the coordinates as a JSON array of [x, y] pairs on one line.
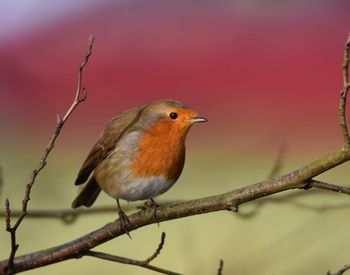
[[226, 201]]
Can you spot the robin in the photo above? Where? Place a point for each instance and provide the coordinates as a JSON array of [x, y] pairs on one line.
[[140, 154]]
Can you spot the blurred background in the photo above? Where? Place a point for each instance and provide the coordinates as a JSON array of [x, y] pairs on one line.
[[265, 73]]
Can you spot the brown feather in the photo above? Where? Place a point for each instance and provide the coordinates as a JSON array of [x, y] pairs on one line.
[[114, 130], [88, 194]]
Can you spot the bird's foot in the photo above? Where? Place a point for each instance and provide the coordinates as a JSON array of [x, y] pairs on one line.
[[151, 204], [124, 222]]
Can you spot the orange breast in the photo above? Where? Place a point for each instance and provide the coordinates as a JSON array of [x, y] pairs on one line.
[[161, 152]]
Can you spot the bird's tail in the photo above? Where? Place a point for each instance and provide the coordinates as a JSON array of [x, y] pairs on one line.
[[88, 195]]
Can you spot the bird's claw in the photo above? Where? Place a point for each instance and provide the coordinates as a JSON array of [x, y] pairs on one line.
[[124, 221], [151, 204]]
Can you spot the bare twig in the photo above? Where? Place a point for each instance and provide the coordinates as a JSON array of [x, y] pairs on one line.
[[14, 245], [327, 186], [69, 216], [343, 120], [288, 198], [144, 264], [157, 252], [340, 271], [343, 96], [221, 267], [128, 261], [80, 96], [1, 180], [278, 163]]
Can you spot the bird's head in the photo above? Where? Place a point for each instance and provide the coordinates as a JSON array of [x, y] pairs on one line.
[[170, 116]]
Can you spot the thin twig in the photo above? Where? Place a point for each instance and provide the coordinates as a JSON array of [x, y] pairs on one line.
[[1, 180], [278, 163], [69, 216], [221, 267], [340, 271], [343, 96], [327, 186], [288, 198], [80, 96], [144, 264], [157, 252]]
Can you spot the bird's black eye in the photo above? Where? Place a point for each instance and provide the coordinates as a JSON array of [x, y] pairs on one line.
[[173, 115]]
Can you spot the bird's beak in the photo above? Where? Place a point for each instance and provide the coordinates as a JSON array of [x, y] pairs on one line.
[[198, 119]]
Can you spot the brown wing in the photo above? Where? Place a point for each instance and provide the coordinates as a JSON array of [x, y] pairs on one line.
[[114, 130]]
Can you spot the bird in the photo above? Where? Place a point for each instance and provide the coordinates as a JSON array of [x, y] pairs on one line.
[[140, 155]]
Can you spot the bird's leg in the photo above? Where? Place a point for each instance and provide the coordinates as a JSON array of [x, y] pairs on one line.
[[155, 206], [124, 219]]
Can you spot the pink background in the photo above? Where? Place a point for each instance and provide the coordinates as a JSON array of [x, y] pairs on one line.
[[265, 74], [261, 72]]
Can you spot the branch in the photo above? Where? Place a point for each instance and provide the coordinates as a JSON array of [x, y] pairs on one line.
[[69, 216], [287, 198], [226, 201], [157, 252], [80, 96], [221, 267], [123, 260], [343, 96], [278, 163], [340, 271], [1, 180], [327, 186]]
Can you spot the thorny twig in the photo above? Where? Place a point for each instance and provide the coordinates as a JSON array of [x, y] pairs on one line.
[[80, 96], [144, 264]]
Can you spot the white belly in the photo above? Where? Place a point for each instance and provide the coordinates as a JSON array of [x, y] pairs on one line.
[[144, 188]]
